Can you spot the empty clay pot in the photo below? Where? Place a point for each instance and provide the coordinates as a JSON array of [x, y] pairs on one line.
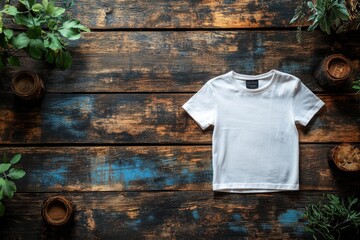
[[28, 86], [334, 72], [57, 211]]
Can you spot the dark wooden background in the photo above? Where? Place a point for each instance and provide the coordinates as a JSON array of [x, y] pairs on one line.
[[110, 133]]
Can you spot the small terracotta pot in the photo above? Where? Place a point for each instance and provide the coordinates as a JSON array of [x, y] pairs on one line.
[[57, 211], [334, 71], [28, 86]]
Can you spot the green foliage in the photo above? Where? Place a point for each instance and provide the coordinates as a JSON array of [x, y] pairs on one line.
[[8, 173], [332, 218], [328, 15], [356, 85], [45, 31]]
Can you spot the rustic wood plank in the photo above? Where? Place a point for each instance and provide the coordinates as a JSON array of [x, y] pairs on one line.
[[154, 14], [166, 215], [185, 14], [145, 118], [172, 61], [151, 168]]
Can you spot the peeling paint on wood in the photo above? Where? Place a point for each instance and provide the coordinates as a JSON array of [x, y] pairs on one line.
[[181, 215], [171, 61], [150, 168], [183, 14], [111, 134], [147, 118]]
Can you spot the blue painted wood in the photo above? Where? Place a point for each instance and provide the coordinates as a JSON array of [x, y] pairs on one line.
[[151, 168], [172, 61], [77, 144], [167, 215], [145, 118], [125, 14]]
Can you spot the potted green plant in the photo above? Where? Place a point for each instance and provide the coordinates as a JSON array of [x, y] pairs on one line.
[[42, 31], [9, 173], [331, 16], [332, 218]]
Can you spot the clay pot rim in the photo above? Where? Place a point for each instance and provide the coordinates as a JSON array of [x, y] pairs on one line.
[[64, 202], [19, 76], [334, 57]]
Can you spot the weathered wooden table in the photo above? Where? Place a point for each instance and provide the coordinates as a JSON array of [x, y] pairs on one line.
[[110, 133]]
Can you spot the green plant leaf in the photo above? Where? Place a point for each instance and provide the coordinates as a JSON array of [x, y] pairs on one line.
[[4, 167], [342, 12], [50, 58], [34, 32], [75, 24], [52, 24], [35, 53], [15, 159], [37, 7], [20, 41], [71, 34], [70, 24], [15, 173], [54, 42], [310, 5], [10, 10], [2, 209], [32, 2], [8, 33], [71, 29], [63, 60], [25, 3], [14, 61], [25, 20], [8, 187], [36, 47], [2, 182], [45, 3], [54, 11]]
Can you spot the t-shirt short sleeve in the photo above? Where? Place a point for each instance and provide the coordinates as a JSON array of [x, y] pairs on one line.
[[305, 104], [201, 107]]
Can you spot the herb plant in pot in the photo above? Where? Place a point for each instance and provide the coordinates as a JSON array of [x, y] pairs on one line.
[[41, 29]]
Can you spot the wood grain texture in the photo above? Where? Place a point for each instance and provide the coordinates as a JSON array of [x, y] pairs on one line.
[[154, 14], [165, 215], [145, 118], [151, 168], [186, 14], [173, 61]]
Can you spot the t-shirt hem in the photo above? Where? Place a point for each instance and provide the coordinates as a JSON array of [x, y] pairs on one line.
[[194, 116], [254, 187], [312, 112]]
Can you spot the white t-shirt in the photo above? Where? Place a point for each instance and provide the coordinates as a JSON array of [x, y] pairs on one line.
[[255, 140]]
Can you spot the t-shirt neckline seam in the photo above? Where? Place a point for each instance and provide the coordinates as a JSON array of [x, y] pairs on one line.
[[272, 73]]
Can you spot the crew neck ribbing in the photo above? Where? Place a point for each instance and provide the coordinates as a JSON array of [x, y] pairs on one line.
[[237, 76]]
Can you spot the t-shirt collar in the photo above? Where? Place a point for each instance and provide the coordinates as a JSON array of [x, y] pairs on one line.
[[235, 77]]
